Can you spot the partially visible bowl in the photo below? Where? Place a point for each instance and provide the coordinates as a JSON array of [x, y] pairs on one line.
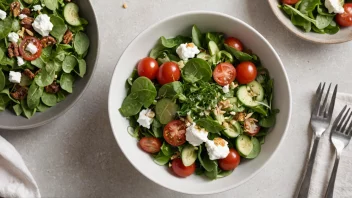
[[8, 119], [181, 24], [344, 35]]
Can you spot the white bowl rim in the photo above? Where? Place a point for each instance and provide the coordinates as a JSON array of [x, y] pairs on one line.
[[129, 158]]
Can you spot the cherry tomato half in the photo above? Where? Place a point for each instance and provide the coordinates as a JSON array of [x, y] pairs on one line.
[[148, 67], [224, 73], [182, 170], [168, 72], [345, 19], [246, 72], [235, 43], [150, 144], [231, 161], [290, 2], [175, 132], [251, 127], [27, 55]]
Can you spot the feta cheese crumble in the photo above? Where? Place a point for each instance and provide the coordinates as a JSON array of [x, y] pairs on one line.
[[187, 50], [226, 88], [15, 77], [22, 16], [20, 61], [37, 8], [42, 25], [334, 6], [196, 135], [13, 37], [2, 14], [145, 118], [31, 48], [217, 148]]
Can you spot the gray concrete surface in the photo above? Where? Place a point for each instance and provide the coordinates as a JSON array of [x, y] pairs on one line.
[[77, 156]]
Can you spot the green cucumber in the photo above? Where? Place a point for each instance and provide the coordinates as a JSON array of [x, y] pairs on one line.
[[233, 129], [244, 145], [71, 14], [236, 106], [256, 149], [188, 155], [244, 97], [213, 48], [257, 89]]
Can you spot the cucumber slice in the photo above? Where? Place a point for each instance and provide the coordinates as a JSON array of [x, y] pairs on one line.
[[213, 48], [236, 106], [233, 129], [71, 14], [188, 155], [244, 145], [256, 149], [245, 98], [257, 89]]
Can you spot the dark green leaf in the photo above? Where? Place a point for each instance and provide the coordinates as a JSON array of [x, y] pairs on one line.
[[17, 109], [323, 21], [82, 68], [157, 129], [165, 110], [26, 110], [197, 37], [145, 90], [308, 6], [270, 120], [241, 56], [51, 5], [167, 149], [208, 165], [66, 82], [130, 105], [46, 75], [69, 64], [2, 80], [161, 159], [170, 90], [42, 107], [59, 28], [34, 94], [210, 125], [5, 27], [49, 99], [173, 42], [81, 43], [195, 70]]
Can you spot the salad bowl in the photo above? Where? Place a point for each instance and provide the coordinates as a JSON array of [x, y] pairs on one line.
[[180, 25], [343, 35]]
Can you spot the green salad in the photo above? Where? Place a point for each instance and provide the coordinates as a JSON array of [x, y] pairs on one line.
[[207, 107], [320, 16], [42, 51]]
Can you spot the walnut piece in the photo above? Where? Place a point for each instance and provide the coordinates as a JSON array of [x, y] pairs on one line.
[[53, 88], [27, 23], [29, 74], [26, 11], [240, 116], [67, 37], [19, 93], [15, 8], [47, 41], [13, 50]]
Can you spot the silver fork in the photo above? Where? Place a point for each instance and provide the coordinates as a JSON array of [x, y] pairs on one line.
[[320, 121], [340, 137]]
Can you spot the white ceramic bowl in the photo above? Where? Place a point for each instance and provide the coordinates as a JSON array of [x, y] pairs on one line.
[[181, 24]]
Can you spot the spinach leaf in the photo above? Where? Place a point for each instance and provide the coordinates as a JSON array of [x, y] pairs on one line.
[[133, 132], [165, 110], [173, 42], [333, 28], [157, 51], [167, 149], [82, 68], [270, 120], [34, 94], [2, 52], [291, 10], [46, 75], [216, 37], [323, 21], [51, 5], [308, 6], [207, 164], [16, 26], [322, 10], [222, 174], [69, 64], [161, 159], [2, 80], [145, 90], [130, 105], [297, 20], [210, 125], [59, 28], [60, 96], [7, 92], [5, 27], [241, 56], [195, 70], [170, 90], [66, 82], [49, 99], [157, 129], [26, 110], [81, 43], [197, 37], [17, 109], [42, 107], [38, 62], [4, 100]]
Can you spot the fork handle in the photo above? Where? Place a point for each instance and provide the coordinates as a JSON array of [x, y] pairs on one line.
[[304, 188], [330, 191]]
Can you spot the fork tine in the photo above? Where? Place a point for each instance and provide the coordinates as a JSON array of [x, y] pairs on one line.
[[337, 120], [349, 131], [343, 130], [332, 104], [318, 99], [342, 120], [323, 107]]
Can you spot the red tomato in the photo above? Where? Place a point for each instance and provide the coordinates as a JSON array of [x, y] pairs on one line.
[[246, 72], [224, 73], [235, 43], [290, 2], [345, 19], [150, 144], [231, 161], [175, 132], [182, 170], [251, 127], [168, 72], [27, 55], [148, 67]]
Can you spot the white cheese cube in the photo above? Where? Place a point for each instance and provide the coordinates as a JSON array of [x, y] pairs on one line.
[[15, 77]]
